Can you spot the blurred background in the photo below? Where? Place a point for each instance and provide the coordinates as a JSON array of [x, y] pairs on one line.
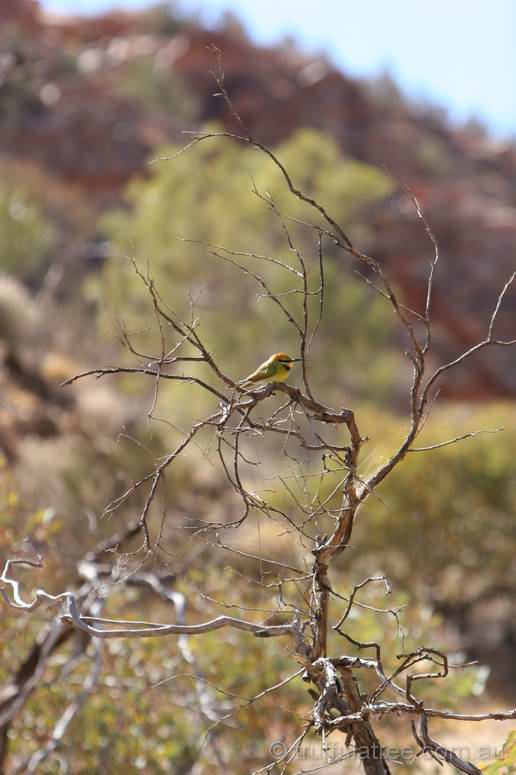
[[356, 101]]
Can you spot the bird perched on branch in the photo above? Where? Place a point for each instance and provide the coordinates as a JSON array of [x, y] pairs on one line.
[[275, 369]]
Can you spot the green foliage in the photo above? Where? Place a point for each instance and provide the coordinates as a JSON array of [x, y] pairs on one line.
[[26, 234], [209, 195], [155, 86], [447, 515], [344, 186], [434, 157], [43, 222], [16, 522], [506, 763]]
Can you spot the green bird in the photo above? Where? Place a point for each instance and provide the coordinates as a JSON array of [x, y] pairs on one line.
[[275, 369]]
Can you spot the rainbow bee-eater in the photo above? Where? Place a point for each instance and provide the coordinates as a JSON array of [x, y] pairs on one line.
[[275, 369]]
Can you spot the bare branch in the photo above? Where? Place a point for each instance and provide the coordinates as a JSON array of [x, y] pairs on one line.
[[441, 444]]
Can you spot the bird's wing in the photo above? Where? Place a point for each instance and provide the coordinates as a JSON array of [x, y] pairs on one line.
[[265, 371]]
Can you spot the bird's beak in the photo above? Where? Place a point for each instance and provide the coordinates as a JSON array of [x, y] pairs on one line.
[[296, 359]]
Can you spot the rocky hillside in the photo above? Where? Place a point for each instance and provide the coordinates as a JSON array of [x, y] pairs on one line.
[[88, 100]]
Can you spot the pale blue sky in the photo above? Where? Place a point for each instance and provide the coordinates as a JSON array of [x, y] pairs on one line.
[[457, 53]]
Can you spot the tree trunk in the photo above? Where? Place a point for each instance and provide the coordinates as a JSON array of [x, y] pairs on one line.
[[368, 746]]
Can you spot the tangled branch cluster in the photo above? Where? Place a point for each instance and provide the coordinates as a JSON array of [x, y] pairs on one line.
[[239, 417]]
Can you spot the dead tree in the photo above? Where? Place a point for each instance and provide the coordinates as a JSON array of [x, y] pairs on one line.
[[238, 417]]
